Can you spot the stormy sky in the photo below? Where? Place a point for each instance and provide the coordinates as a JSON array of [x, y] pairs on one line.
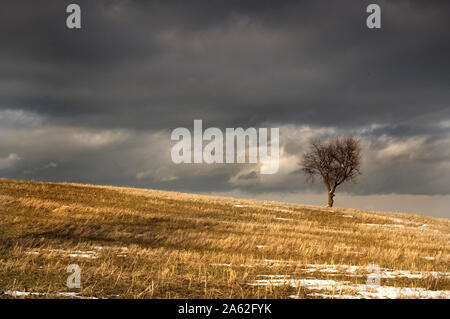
[[97, 105]]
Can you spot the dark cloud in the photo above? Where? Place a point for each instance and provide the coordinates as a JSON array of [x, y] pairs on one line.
[[155, 64]]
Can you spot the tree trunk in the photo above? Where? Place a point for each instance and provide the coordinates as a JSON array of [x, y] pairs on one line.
[[330, 198]]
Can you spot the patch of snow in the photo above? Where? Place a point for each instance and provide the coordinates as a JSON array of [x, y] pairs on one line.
[[384, 272], [32, 253], [221, 265], [58, 294], [275, 261], [347, 216], [283, 210], [344, 270], [385, 225], [360, 290], [427, 257], [276, 209], [92, 254], [274, 276], [22, 293], [76, 253], [351, 269], [389, 292], [307, 283], [82, 256], [325, 268], [286, 219]]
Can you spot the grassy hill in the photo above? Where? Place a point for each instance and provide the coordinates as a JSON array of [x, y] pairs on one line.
[[136, 243]]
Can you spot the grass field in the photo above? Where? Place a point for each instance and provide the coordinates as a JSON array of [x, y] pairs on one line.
[[136, 243]]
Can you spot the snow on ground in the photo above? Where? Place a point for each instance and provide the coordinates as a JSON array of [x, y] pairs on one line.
[[397, 220], [58, 294], [220, 265], [67, 253], [274, 276], [427, 257], [286, 219], [92, 254], [344, 270], [21, 293], [307, 283], [362, 270], [385, 225], [346, 290], [229, 265]]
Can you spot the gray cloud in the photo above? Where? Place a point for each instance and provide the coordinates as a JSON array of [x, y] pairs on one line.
[[148, 64]]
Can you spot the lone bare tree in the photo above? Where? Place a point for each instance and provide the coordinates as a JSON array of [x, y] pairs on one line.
[[335, 162]]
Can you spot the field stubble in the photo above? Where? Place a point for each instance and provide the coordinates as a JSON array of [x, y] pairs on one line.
[[136, 243]]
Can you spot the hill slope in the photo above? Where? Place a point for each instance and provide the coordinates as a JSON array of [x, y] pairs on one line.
[[135, 243]]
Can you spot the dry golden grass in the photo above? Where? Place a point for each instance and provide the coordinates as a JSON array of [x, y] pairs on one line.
[[135, 243]]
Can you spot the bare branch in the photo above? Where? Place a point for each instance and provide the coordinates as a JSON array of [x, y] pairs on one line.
[[335, 162]]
